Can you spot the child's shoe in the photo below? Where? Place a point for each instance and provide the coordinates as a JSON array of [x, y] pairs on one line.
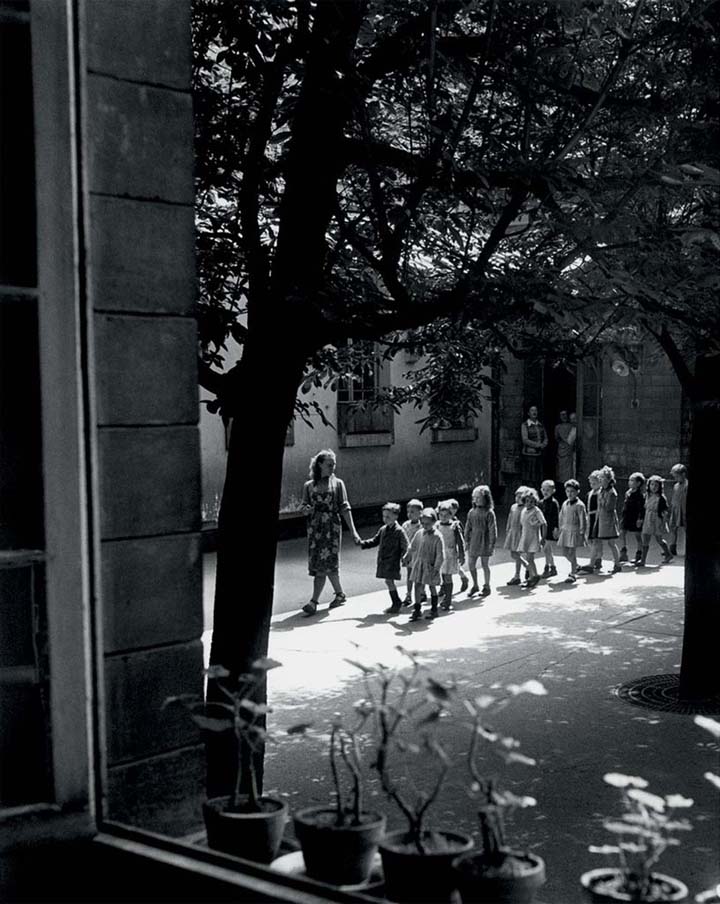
[[513, 582], [638, 557], [623, 554], [473, 590], [617, 568], [532, 582], [407, 601], [393, 610], [545, 571], [586, 569], [446, 605], [552, 573], [415, 615], [338, 600], [597, 564], [571, 579], [486, 590], [667, 557], [310, 608], [396, 604], [463, 584], [432, 614]]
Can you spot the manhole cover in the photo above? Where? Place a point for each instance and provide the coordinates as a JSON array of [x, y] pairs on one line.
[[662, 693]]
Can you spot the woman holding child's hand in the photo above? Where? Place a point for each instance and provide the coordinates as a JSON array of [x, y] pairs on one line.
[[325, 503]]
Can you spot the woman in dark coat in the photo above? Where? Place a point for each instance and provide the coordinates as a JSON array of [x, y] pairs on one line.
[[534, 442]]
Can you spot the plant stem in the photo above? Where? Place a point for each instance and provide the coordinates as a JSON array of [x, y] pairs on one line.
[[336, 777]]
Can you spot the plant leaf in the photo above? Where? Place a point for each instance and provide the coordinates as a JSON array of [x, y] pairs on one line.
[[265, 664], [209, 724], [299, 728]]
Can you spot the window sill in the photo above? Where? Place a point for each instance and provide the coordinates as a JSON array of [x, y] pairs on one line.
[[39, 823], [360, 440], [457, 435]]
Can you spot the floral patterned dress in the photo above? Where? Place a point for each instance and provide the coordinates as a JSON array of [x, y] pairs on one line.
[[324, 525]]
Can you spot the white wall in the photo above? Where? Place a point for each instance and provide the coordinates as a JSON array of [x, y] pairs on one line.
[[412, 466]]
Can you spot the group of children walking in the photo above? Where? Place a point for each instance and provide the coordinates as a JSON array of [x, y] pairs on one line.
[[434, 546]]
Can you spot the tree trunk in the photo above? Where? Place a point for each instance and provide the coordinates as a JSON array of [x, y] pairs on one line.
[[248, 524], [699, 672]]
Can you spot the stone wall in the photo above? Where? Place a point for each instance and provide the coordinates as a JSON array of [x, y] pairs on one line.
[[138, 116]]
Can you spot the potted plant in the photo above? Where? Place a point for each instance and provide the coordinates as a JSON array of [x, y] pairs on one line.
[[497, 872], [645, 831], [243, 823], [405, 709], [340, 842]]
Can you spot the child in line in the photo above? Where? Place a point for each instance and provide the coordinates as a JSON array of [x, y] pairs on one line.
[[449, 529], [513, 531], [425, 555], [633, 512], [533, 532], [678, 504], [593, 499], [392, 545], [607, 526], [656, 518], [480, 537], [455, 507], [551, 510], [411, 527], [573, 526]]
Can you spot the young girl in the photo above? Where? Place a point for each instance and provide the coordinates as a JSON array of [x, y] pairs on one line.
[[480, 537], [593, 498], [633, 512], [392, 545], [551, 510], [607, 526], [449, 529], [573, 526], [655, 520], [678, 504], [411, 527], [454, 508], [513, 531], [426, 553], [533, 531]]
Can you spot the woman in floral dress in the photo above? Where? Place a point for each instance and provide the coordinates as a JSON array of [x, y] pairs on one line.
[[324, 503]]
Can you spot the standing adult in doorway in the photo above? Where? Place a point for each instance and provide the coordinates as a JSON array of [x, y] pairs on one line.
[[565, 438], [534, 442], [325, 503]]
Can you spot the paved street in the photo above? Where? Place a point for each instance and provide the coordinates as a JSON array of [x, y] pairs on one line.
[[580, 640]]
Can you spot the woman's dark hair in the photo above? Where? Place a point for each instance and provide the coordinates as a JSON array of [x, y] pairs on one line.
[[317, 460]]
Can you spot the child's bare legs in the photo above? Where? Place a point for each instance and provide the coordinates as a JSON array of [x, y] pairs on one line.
[[550, 570], [446, 591], [623, 546], [418, 593], [485, 562], [472, 568], [433, 601], [519, 562], [615, 554], [409, 590], [463, 578], [531, 564], [571, 556]]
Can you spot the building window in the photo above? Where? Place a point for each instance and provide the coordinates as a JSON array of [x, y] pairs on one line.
[[360, 420]]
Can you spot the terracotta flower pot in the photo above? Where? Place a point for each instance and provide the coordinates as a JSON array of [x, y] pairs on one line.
[[340, 855], [416, 877], [607, 885], [253, 836], [514, 881]]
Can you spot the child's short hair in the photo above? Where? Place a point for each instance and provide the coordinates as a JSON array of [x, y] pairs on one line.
[[531, 493], [454, 504], [574, 484], [594, 475], [521, 490], [414, 503], [607, 471], [429, 513], [548, 483], [637, 475], [391, 507], [444, 506], [678, 469], [484, 490]]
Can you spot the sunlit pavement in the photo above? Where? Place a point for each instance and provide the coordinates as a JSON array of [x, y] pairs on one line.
[[580, 641]]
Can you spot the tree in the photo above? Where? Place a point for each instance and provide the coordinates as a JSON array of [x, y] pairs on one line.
[[440, 174]]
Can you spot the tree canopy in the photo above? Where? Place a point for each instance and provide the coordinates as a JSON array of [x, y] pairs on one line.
[[464, 177]]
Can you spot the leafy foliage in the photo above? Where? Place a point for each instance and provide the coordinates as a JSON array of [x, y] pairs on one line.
[[507, 176]]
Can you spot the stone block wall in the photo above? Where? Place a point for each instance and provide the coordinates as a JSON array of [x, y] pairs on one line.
[[138, 116]]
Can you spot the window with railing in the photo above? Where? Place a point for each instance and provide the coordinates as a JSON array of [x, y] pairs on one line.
[[358, 411]]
